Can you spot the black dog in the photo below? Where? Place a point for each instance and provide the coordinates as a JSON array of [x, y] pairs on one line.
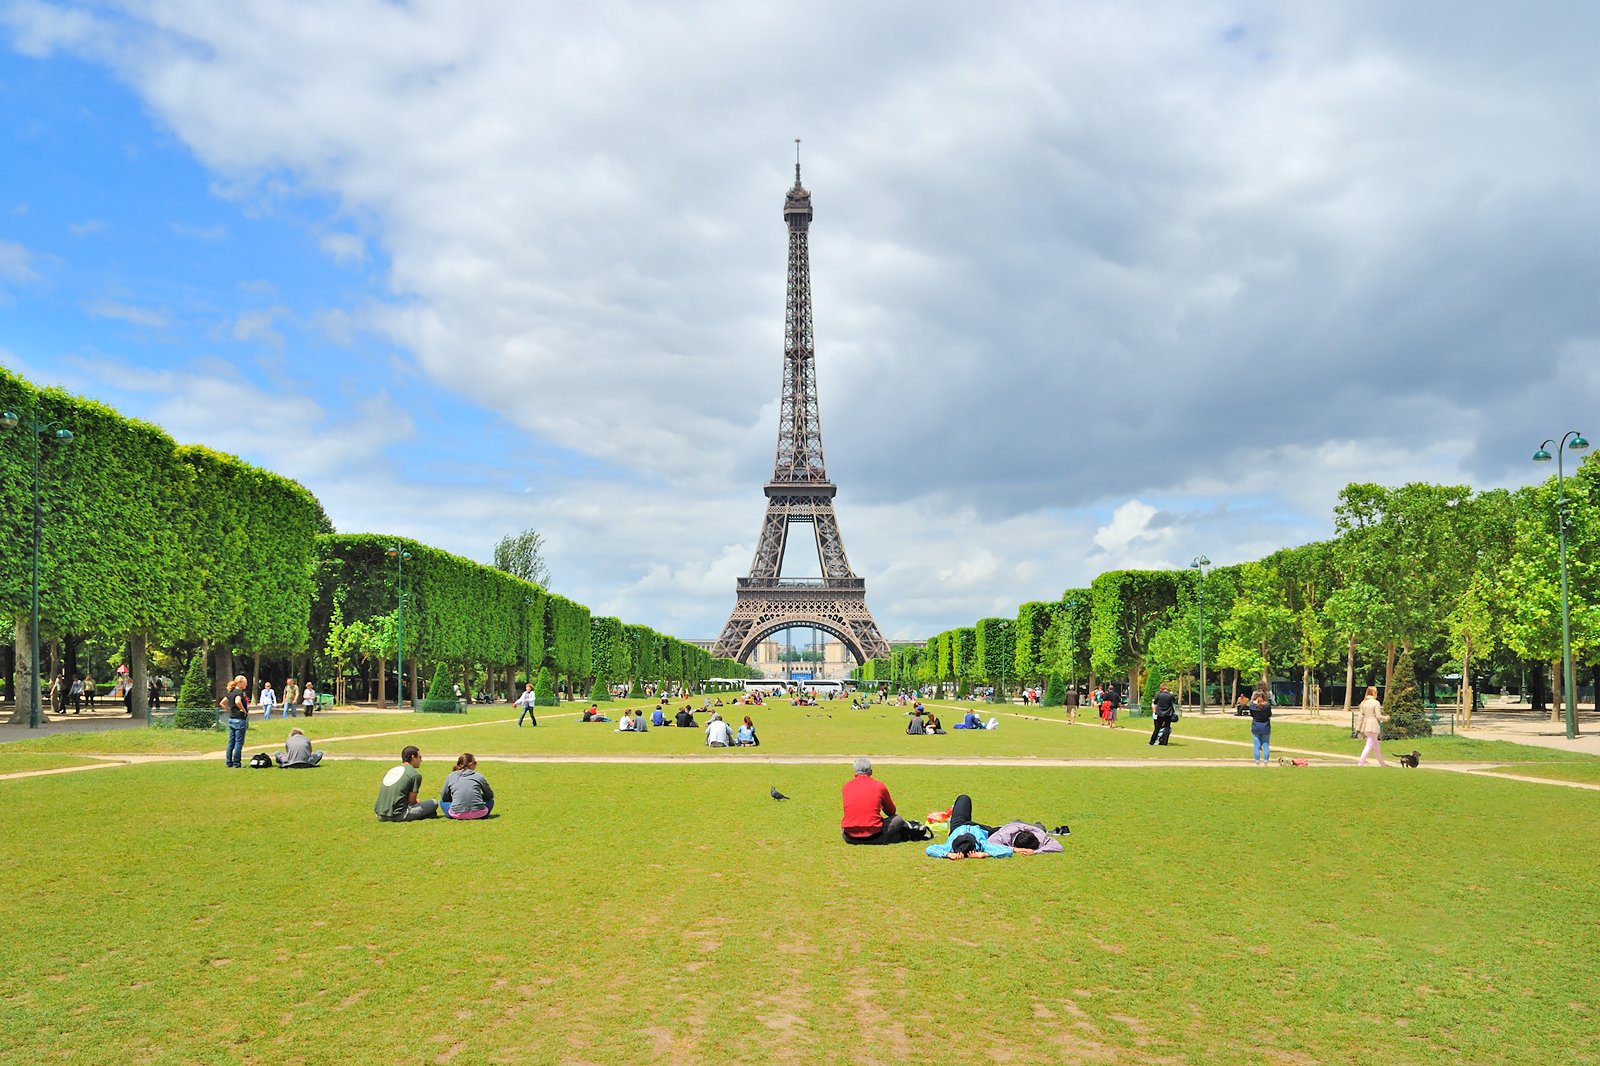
[[1411, 761]]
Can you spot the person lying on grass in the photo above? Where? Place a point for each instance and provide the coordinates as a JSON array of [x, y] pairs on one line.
[[296, 753], [466, 793], [970, 839], [397, 795]]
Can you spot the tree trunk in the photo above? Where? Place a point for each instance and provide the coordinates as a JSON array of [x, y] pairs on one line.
[[383, 681], [1349, 674], [139, 672], [224, 671], [1556, 694], [1134, 691], [255, 671], [1388, 671], [1266, 668], [1233, 686], [413, 686], [511, 682], [27, 679], [1466, 684]]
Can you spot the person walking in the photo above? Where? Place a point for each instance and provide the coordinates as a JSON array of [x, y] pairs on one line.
[[1166, 712], [268, 700], [291, 697], [308, 699], [88, 690], [236, 701], [1371, 726], [1261, 726], [526, 701]]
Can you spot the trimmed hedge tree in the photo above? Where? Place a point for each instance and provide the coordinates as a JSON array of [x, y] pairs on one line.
[[441, 698], [544, 690], [1404, 704], [195, 708]]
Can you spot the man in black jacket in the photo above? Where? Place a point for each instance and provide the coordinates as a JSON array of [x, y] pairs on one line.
[[1166, 711]]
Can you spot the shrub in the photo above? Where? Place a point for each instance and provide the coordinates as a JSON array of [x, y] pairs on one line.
[[195, 689], [600, 691], [1055, 691], [1403, 703], [441, 697], [636, 690], [544, 690]]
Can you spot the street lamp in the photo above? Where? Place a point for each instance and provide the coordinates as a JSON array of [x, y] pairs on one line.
[[1200, 562], [400, 555], [62, 435], [1571, 441]]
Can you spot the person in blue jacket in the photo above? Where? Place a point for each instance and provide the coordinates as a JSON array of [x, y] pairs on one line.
[[967, 839]]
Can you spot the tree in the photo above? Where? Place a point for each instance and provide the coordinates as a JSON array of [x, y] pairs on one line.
[[195, 707], [1354, 611], [1055, 692], [1403, 704], [1127, 607], [441, 693], [544, 690], [1471, 632], [522, 555]]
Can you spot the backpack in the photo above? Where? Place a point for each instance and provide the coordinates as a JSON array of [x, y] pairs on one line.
[[260, 761]]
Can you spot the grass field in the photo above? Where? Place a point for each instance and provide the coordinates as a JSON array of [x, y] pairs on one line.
[[182, 912]]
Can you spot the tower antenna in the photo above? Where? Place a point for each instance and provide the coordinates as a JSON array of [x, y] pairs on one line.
[[797, 161]]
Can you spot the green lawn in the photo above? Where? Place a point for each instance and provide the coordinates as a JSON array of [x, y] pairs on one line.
[[1588, 772], [15, 762], [636, 913]]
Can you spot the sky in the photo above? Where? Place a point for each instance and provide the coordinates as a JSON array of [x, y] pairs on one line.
[[1096, 284]]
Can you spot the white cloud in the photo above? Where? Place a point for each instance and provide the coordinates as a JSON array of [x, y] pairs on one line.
[[1096, 285], [257, 325], [343, 248], [87, 227], [148, 317], [200, 233], [16, 265]]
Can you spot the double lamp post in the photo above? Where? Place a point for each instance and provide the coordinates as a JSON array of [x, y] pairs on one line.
[[1573, 441]]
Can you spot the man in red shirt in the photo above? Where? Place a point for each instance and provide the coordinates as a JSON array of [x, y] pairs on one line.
[[866, 805]]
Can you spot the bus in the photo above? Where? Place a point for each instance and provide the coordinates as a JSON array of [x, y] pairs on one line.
[[781, 686]]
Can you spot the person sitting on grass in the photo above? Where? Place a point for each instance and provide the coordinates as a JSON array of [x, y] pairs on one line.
[[466, 793], [684, 720], [970, 721], [397, 795], [867, 805], [747, 735], [658, 719], [626, 725], [718, 735], [934, 725], [296, 753], [914, 726], [593, 714]]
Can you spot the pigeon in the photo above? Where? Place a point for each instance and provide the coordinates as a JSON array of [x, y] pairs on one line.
[[1411, 761], [775, 794]]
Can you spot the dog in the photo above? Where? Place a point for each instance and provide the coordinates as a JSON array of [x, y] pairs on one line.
[[1412, 761]]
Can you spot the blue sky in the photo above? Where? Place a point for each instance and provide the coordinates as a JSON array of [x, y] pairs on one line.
[[1094, 286]]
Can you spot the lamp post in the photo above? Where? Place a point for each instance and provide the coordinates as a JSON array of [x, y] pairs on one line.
[[400, 555], [1571, 441], [1200, 562], [62, 435]]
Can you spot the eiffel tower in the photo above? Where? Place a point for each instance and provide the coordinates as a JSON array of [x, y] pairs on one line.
[[800, 493]]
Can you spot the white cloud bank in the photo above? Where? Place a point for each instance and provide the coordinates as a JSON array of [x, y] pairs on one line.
[[1096, 285]]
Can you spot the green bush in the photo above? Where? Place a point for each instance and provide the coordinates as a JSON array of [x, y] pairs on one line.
[[1403, 703], [441, 697], [600, 691], [195, 690], [636, 690], [544, 690], [1055, 691]]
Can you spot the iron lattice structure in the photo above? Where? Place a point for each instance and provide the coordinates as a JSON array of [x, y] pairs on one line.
[[800, 493]]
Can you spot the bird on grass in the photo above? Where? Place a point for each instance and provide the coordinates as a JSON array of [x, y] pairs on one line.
[[775, 794]]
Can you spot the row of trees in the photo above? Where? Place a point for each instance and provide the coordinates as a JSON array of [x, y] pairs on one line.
[[151, 545], [1465, 582]]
